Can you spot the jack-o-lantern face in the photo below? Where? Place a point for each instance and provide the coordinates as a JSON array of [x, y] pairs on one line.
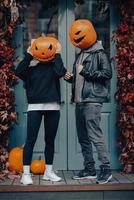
[[82, 33], [44, 48]]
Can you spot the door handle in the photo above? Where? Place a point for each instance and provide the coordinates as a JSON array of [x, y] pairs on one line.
[[62, 102]]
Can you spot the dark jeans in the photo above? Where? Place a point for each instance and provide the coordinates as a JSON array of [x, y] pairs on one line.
[[51, 121], [88, 118]]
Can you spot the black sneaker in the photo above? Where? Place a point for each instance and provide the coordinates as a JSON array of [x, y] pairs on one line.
[[105, 175], [85, 174]]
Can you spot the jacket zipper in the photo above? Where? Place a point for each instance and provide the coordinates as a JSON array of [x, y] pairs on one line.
[[83, 89]]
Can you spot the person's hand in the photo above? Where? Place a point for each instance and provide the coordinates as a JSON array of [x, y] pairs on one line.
[[29, 48], [58, 49], [80, 67], [68, 75]]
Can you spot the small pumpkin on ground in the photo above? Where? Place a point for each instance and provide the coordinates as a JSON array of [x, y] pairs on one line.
[[38, 166], [16, 159]]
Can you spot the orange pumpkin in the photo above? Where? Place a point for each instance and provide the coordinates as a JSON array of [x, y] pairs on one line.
[[82, 33], [16, 159], [37, 166], [44, 48]]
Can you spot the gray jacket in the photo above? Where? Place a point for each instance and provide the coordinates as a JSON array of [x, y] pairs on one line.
[[96, 72]]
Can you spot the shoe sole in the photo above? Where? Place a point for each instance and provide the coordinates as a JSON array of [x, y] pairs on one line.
[[87, 177], [104, 182], [26, 184], [50, 179]]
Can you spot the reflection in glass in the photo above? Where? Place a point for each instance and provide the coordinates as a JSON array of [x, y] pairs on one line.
[[41, 18], [99, 13]]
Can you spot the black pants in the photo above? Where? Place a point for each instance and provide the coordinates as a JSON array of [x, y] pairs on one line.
[[51, 121]]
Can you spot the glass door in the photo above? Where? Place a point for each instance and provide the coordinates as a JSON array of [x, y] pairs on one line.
[[42, 17], [101, 14]]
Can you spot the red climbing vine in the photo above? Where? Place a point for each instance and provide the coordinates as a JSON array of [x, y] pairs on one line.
[[124, 37], [8, 19]]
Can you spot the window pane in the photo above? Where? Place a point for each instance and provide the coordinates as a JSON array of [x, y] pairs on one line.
[[40, 17], [99, 13]]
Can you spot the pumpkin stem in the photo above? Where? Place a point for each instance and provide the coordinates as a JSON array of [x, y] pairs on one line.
[[39, 157]]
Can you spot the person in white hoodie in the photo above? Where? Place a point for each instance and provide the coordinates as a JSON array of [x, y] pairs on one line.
[[90, 80]]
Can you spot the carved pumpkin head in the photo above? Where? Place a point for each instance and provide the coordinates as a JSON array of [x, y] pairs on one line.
[[82, 33], [44, 48], [16, 159], [37, 166]]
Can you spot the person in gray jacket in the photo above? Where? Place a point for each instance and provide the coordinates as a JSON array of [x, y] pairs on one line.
[[90, 89]]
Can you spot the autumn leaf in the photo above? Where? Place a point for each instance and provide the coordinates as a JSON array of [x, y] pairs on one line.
[[3, 115]]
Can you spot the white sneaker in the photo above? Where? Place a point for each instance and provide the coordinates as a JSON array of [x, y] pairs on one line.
[[51, 176], [26, 179]]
